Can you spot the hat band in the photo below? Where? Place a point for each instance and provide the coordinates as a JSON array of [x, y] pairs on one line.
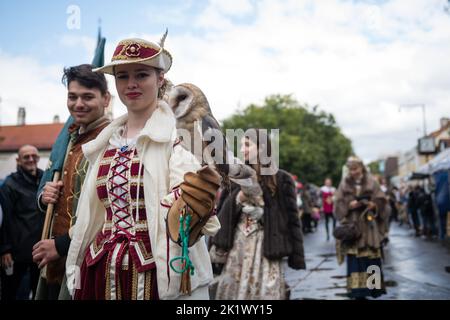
[[133, 51]]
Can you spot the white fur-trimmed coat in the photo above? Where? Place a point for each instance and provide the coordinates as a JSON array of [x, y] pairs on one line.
[[164, 168]]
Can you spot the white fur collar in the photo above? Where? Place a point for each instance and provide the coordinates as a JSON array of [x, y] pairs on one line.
[[159, 128]]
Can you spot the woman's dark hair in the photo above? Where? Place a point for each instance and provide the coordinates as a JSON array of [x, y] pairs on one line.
[[84, 75], [263, 143]]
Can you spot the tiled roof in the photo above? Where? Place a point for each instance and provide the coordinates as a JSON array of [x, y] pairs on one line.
[[42, 136]]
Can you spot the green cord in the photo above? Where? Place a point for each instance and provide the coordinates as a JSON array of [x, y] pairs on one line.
[[185, 221]]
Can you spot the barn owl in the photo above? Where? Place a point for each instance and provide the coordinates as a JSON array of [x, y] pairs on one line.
[[196, 123]]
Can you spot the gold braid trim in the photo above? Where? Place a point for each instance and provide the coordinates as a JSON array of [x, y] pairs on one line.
[[134, 278], [148, 285], [108, 279], [357, 280], [119, 289]]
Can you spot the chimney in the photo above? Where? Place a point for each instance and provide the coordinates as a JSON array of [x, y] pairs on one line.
[[21, 114], [56, 119], [444, 122]]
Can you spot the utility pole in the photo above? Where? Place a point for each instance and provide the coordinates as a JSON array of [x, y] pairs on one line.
[[423, 106]]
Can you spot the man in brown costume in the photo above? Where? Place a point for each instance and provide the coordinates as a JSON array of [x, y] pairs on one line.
[[87, 100]]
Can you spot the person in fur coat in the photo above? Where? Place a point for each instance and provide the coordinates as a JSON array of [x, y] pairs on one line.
[[360, 202]]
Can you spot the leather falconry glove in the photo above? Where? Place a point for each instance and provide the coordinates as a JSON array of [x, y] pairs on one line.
[[197, 200]]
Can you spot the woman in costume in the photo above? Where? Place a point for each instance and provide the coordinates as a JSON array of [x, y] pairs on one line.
[[257, 238], [361, 212], [121, 248]]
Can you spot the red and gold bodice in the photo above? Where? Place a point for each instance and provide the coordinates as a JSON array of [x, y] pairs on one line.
[[124, 235]]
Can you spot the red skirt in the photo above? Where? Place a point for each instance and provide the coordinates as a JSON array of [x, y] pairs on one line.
[[100, 282]]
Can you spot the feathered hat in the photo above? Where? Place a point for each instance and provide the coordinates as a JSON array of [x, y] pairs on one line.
[[139, 51]]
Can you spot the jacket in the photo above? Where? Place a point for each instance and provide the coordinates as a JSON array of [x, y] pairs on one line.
[[372, 233], [282, 227], [165, 164], [22, 225], [73, 171]]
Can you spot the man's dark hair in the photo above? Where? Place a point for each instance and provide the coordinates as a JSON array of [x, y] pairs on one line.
[[84, 75]]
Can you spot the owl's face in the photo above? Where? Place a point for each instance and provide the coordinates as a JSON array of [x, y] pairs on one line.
[[180, 100], [186, 98]]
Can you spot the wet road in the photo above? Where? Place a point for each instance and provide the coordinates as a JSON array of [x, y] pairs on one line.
[[414, 268]]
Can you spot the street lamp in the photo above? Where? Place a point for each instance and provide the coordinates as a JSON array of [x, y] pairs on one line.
[[422, 105], [426, 145]]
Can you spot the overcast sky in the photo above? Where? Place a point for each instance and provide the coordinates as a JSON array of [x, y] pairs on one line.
[[359, 60]]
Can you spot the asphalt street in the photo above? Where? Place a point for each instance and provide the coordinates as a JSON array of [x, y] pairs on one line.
[[414, 268]]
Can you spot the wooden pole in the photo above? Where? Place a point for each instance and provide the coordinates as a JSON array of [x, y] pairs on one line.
[[49, 212]]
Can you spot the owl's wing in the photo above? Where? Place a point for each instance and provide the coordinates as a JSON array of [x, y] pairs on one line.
[[215, 143], [209, 122], [222, 157]]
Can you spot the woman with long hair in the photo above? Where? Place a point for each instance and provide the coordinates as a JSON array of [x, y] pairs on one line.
[[257, 238]]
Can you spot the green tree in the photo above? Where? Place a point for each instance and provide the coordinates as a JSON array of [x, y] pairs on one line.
[[311, 144], [374, 167]]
